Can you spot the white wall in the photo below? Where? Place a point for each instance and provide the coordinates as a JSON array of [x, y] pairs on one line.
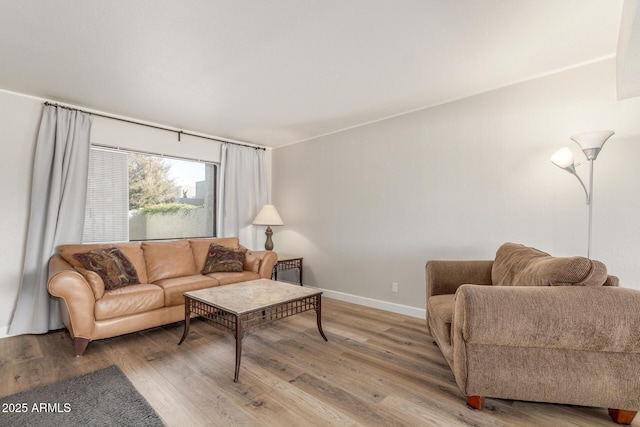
[[19, 122], [369, 206]]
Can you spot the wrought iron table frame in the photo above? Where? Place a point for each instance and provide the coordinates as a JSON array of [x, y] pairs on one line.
[[288, 262], [239, 323]]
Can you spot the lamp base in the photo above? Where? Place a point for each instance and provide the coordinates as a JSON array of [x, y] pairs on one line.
[[268, 244]]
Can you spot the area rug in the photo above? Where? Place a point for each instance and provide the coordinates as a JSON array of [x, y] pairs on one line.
[[101, 398]]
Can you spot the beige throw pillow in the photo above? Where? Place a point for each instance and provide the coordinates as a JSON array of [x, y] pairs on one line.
[[518, 265]]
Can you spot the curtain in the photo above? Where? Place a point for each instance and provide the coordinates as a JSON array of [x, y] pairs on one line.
[[58, 193], [243, 191]]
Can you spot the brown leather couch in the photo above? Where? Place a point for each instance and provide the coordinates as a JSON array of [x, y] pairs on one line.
[[166, 270], [528, 326]]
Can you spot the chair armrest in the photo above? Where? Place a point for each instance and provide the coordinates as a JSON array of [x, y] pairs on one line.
[[267, 260], [76, 294], [602, 319], [444, 277], [576, 345]]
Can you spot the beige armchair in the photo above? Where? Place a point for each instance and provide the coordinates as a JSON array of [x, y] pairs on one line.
[[504, 338]]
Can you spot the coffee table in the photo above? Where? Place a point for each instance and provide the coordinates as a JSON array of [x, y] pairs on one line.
[[243, 306]]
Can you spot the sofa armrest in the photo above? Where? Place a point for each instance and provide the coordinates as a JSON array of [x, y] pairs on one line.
[[444, 277], [76, 294], [267, 260]]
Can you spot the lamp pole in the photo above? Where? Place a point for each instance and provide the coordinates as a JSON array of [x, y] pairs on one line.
[[591, 143], [590, 203]]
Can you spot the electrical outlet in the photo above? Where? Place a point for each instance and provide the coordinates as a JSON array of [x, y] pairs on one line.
[[394, 287]]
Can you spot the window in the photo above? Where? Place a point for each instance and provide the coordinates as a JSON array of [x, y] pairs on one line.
[[140, 196]]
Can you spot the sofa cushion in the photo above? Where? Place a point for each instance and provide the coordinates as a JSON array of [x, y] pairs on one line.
[[200, 248], [174, 288], [111, 264], [221, 258], [129, 300], [133, 251], [225, 278], [518, 265], [165, 260]]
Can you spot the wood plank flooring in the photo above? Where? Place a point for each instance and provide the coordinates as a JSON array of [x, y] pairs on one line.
[[378, 369]]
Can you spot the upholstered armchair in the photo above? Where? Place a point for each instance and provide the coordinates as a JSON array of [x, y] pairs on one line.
[[528, 326]]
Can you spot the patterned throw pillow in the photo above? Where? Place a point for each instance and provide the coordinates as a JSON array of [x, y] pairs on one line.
[[222, 258], [112, 265]]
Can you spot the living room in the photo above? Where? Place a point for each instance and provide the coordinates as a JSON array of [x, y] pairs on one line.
[[368, 202]]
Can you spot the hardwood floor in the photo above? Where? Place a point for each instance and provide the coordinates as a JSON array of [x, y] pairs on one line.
[[378, 369]]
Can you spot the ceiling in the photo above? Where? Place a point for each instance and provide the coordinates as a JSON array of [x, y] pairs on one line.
[[278, 72]]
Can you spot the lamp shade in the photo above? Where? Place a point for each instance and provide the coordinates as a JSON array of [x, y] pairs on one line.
[[563, 158], [594, 139], [592, 142], [268, 215]]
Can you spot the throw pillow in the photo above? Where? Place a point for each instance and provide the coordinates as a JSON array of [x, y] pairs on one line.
[[111, 264], [518, 265], [566, 271], [222, 258]]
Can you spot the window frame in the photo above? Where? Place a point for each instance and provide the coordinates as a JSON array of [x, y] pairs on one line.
[[215, 184]]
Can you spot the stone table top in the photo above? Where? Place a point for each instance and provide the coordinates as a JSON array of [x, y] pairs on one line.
[[245, 297]]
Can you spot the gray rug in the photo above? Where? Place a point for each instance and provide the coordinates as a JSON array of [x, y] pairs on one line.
[[101, 398]]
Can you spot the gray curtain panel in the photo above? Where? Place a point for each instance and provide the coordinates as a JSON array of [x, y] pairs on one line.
[[243, 191], [58, 194]]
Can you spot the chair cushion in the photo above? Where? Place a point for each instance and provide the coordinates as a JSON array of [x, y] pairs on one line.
[[440, 312], [518, 265]]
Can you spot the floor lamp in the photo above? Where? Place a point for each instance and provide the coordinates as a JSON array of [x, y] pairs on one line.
[[591, 144]]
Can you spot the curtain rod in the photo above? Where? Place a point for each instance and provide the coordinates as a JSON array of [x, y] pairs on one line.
[[150, 153], [179, 132]]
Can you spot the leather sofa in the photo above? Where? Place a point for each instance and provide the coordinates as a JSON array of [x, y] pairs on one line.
[[166, 270], [528, 326]]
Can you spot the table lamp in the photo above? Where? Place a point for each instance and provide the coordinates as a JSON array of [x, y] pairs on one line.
[[268, 216]]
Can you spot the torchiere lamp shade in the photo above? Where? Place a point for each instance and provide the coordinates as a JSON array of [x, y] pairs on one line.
[[592, 142]]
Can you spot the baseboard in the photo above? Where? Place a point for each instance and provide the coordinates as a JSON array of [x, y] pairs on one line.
[[420, 313], [4, 332]]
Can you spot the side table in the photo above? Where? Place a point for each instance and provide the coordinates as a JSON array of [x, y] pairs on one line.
[[288, 262]]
